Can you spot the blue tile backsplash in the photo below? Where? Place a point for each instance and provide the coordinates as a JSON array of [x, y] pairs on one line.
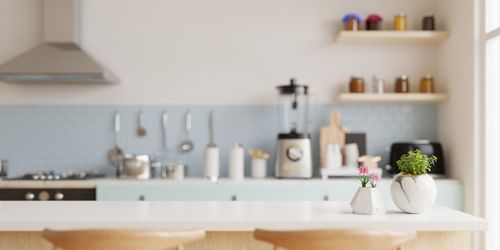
[[62, 138]]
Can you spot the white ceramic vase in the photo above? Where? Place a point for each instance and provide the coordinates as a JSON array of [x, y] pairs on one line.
[[413, 194], [367, 201]]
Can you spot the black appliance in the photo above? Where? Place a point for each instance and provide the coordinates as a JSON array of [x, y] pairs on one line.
[[50, 193], [47, 194], [398, 149], [358, 138], [54, 176]]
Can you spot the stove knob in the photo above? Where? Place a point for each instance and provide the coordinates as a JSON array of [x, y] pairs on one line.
[[44, 196], [29, 196], [294, 153], [59, 196]]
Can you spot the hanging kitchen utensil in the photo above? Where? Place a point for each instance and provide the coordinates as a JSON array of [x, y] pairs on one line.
[[187, 145], [164, 126], [141, 131], [160, 156], [116, 153]]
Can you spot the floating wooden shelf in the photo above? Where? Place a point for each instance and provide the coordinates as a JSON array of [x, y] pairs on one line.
[[392, 98], [392, 36]]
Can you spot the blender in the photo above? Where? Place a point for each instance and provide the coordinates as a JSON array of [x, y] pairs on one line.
[[293, 151]]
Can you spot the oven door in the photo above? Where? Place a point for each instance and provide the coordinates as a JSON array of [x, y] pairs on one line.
[[47, 194]]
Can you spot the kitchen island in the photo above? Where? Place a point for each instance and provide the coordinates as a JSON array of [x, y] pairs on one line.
[[229, 223], [451, 192]]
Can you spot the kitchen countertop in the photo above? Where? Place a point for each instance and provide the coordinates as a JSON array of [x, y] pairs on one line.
[[223, 216], [92, 183]]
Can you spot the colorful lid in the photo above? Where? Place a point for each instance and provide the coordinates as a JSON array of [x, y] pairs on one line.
[[374, 17], [350, 16]]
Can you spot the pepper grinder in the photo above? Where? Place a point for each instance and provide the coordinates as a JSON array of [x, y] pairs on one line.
[[211, 165]]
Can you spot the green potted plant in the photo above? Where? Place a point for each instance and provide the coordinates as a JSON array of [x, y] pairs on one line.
[[413, 190]]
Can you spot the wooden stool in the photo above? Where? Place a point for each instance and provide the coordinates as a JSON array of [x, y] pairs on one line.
[[335, 239], [120, 239]]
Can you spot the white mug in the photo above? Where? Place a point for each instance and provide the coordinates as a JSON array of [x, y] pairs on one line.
[[333, 157], [351, 153]]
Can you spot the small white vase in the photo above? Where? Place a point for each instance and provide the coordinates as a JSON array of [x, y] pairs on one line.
[[367, 201], [413, 194]]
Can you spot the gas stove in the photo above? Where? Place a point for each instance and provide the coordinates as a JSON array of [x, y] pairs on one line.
[[54, 176]]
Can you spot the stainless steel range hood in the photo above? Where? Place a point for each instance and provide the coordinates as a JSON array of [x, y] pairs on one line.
[[59, 58]]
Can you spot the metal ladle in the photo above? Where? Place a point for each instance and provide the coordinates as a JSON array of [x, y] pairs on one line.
[[187, 145]]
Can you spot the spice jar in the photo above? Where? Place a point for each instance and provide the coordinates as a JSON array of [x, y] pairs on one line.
[[378, 84], [428, 23], [352, 22], [357, 85], [374, 22], [400, 22], [427, 84], [402, 84]]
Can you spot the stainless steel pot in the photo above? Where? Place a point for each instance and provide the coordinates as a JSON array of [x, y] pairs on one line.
[[135, 166]]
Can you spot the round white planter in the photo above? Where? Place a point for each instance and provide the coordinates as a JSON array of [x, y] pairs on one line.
[[413, 194], [367, 201]]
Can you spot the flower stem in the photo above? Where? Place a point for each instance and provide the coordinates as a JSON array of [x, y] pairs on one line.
[[364, 181]]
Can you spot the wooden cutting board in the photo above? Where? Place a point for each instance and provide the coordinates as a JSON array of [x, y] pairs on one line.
[[333, 134]]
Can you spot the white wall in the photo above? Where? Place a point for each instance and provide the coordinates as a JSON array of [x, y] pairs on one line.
[[456, 117], [215, 51]]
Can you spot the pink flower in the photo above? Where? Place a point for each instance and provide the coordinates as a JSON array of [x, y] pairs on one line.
[[363, 170], [374, 177]]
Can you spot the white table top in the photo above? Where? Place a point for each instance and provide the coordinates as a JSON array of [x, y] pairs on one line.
[[222, 216]]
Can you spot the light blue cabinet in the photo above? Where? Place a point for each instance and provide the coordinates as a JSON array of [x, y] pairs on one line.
[[124, 192], [277, 190], [450, 192]]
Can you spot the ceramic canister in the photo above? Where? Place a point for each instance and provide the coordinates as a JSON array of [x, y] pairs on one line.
[[211, 166], [259, 168], [236, 169]]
